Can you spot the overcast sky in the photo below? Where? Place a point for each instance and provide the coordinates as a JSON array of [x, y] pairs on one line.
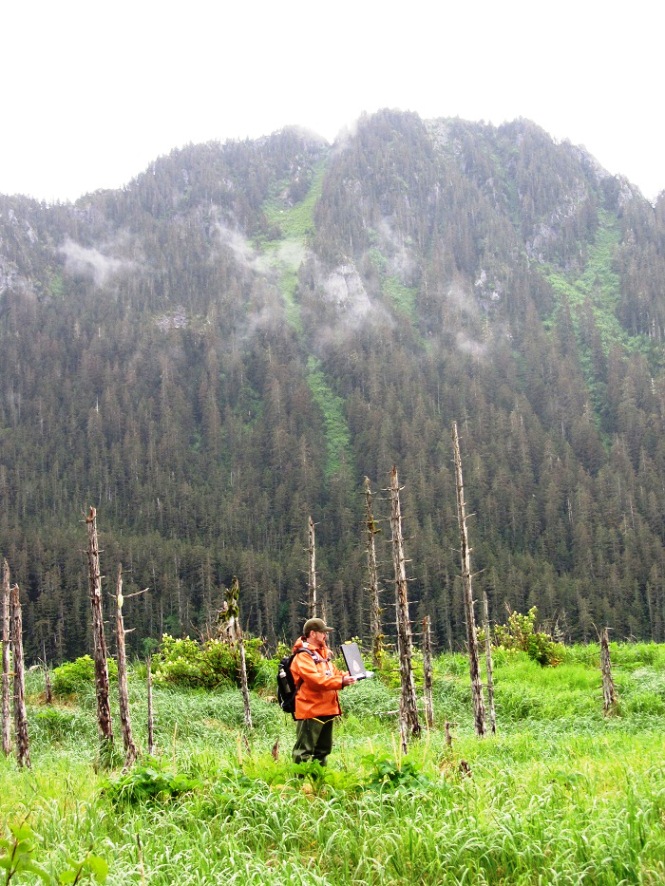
[[92, 92]]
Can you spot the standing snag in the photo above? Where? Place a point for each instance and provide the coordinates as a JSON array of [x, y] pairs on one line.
[[408, 708], [6, 664], [427, 671], [151, 718], [231, 632], [104, 721], [20, 714], [610, 699], [312, 604], [375, 611], [489, 667], [471, 633], [131, 752]]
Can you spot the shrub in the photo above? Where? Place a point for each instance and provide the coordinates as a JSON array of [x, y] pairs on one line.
[[208, 665], [520, 633], [150, 782], [72, 677], [390, 774]]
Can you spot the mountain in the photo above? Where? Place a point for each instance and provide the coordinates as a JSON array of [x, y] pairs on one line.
[[238, 338]]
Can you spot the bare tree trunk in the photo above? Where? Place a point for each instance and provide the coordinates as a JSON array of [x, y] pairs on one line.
[[151, 719], [6, 664], [20, 714], [244, 685], [375, 611], [489, 667], [233, 636], [131, 752], [48, 689], [471, 634], [609, 692], [312, 606], [408, 705], [104, 721], [427, 671]]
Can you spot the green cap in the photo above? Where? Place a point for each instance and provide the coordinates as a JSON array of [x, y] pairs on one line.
[[315, 624]]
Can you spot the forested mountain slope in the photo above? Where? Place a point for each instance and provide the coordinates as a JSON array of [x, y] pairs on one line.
[[240, 336]]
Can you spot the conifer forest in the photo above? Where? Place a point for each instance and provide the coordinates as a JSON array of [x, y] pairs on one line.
[[233, 342]]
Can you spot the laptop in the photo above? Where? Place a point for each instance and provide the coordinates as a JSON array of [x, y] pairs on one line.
[[354, 661]]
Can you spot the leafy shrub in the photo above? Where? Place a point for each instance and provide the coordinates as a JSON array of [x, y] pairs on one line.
[[72, 677], [208, 665], [388, 773], [520, 633], [150, 782]]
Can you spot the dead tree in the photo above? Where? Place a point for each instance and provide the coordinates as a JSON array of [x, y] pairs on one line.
[[151, 719], [234, 637], [244, 685], [104, 721], [471, 633], [312, 606], [408, 708], [427, 671], [48, 688], [375, 611], [489, 667], [6, 664], [609, 692], [20, 714], [131, 752]]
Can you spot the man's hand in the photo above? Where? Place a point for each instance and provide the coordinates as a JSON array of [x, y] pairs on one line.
[[348, 680]]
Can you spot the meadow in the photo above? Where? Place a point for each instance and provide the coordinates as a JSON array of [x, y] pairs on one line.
[[561, 795]]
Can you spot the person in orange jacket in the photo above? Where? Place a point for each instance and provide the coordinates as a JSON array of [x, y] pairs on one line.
[[318, 683]]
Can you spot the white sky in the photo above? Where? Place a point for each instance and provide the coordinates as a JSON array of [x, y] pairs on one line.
[[94, 91]]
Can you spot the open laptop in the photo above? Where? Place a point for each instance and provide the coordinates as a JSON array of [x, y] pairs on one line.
[[354, 661]]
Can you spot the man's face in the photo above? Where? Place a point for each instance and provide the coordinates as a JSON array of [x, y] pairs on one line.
[[318, 638]]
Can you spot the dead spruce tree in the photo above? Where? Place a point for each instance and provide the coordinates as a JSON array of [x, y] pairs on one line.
[[20, 714], [375, 611], [312, 603], [427, 671], [467, 579], [232, 634], [489, 665], [151, 718], [609, 692], [6, 663], [131, 752], [104, 721], [408, 707], [48, 688]]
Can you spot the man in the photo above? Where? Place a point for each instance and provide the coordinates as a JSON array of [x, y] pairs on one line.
[[318, 682]]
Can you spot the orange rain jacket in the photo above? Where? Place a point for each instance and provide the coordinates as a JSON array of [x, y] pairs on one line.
[[318, 682]]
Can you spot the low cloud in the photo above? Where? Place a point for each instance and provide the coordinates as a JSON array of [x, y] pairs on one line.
[[83, 261], [471, 346]]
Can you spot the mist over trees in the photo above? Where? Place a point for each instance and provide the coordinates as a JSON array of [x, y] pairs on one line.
[[237, 339]]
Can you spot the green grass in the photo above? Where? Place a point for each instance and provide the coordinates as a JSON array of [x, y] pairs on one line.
[[402, 297], [296, 222], [561, 795], [599, 286], [284, 253], [338, 437]]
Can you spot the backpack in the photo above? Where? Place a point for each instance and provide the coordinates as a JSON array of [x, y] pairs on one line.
[[286, 685]]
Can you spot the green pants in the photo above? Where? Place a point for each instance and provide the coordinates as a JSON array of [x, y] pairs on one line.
[[313, 739]]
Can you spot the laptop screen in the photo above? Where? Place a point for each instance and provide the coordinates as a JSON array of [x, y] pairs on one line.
[[354, 660]]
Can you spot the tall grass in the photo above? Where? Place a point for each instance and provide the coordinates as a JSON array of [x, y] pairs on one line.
[[561, 795]]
